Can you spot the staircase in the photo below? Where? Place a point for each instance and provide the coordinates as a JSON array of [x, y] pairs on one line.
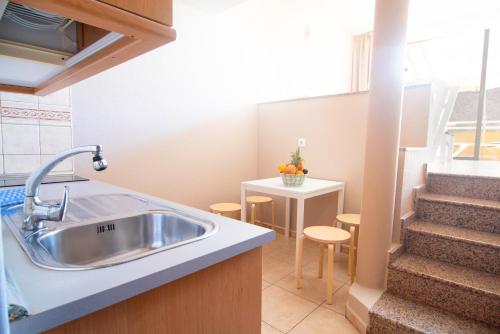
[[447, 280]]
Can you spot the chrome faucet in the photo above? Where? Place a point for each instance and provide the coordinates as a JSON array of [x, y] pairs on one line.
[[36, 211]]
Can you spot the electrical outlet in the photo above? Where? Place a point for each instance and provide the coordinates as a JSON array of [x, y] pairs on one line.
[[301, 142]]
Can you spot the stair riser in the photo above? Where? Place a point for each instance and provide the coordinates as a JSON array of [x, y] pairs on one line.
[[473, 304], [476, 218], [466, 186], [466, 254], [380, 325]]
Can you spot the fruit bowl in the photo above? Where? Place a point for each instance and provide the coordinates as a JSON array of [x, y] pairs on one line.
[[293, 174], [293, 180]]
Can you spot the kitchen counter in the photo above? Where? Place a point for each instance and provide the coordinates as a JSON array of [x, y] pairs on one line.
[[55, 297]]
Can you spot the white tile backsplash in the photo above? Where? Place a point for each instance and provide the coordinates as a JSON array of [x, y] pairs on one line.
[[21, 139], [54, 139], [23, 101], [19, 164], [5, 96], [58, 100], [33, 129]]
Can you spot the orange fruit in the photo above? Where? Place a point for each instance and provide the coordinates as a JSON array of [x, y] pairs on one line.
[[291, 169], [300, 165], [299, 172]]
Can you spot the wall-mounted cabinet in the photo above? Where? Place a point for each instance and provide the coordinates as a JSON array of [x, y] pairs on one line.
[[46, 45]]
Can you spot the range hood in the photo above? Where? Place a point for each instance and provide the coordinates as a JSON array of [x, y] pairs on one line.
[[36, 46]]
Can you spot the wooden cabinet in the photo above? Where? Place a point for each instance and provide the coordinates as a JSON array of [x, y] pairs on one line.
[[143, 25], [223, 298], [159, 11]]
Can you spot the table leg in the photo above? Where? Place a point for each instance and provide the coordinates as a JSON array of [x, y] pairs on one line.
[[287, 217], [243, 204], [340, 210], [340, 202], [298, 231]]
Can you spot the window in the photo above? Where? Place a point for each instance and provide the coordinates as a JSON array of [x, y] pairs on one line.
[[466, 68]]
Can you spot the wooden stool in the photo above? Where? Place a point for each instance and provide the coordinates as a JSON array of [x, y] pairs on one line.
[[324, 235], [223, 209], [254, 200], [352, 220]]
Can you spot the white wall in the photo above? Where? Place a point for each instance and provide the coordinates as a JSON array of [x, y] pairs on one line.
[[183, 117], [176, 120], [415, 125], [335, 131], [301, 48]]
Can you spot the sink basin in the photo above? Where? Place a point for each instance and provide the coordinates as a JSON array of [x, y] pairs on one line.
[[113, 239]]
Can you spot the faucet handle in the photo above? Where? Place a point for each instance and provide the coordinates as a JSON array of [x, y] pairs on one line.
[[58, 213]]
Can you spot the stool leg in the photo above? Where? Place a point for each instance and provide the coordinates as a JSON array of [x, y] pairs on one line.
[[352, 265], [329, 289], [273, 217], [320, 264], [252, 215], [299, 261]]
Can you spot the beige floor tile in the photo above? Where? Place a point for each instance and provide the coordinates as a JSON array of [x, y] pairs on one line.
[[282, 309], [265, 284], [339, 300], [266, 329], [289, 257], [274, 270], [324, 321], [312, 287]]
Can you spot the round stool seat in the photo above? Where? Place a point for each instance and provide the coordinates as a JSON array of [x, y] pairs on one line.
[[349, 218], [225, 207], [326, 234], [258, 199]]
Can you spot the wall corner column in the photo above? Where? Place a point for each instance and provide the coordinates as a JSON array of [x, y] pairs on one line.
[[381, 155]]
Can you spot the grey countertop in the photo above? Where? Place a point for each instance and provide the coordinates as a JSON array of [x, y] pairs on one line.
[[55, 297]]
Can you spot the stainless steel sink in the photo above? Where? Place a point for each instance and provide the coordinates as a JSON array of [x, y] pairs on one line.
[[126, 228]]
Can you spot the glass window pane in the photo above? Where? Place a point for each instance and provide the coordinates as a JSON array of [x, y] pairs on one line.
[[490, 134], [453, 62]]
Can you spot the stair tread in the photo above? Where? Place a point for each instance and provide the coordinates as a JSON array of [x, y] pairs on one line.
[[475, 202], [456, 233], [453, 274], [466, 175], [425, 319]]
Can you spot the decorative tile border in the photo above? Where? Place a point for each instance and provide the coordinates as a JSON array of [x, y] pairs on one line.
[[20, 113], [62, 116]]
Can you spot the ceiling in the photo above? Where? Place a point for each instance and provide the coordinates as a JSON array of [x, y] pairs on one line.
[[427, 18], [212, 6]]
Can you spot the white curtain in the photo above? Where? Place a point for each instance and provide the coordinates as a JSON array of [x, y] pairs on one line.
[[361, 61]]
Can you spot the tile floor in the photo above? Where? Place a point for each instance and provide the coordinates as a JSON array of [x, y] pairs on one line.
[[286, 309]]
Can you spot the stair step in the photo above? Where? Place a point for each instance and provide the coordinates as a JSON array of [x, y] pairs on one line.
[[393, 315], [482, 187], [465, 247], [475, 214], [457, 289]]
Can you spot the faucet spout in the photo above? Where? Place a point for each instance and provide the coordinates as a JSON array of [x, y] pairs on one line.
[[36, 211]]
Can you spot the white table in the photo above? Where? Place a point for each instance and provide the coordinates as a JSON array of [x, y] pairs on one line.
[[310, 188]]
